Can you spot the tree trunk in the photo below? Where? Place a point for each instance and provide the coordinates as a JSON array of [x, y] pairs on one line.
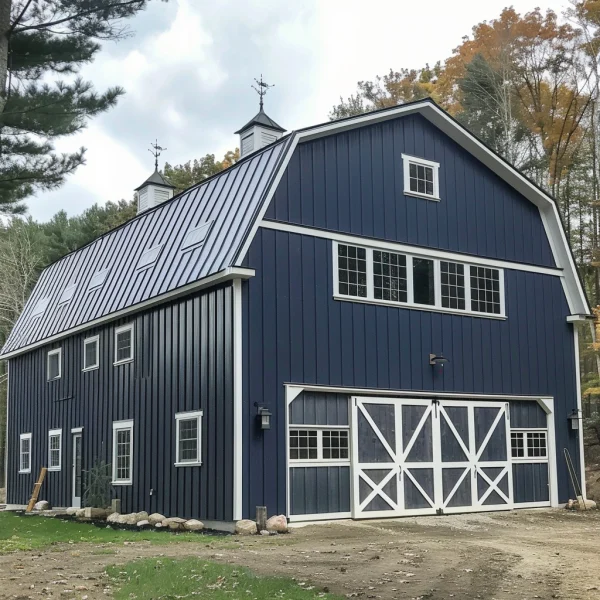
[[4, 27]]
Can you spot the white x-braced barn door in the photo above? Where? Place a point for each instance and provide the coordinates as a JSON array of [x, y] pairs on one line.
[[415, 457]]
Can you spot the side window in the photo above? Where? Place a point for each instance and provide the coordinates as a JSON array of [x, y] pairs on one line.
[[25, 453], [529, 445], [485, 290], [423, 281], [188, 438], [124, 344], [91, 353], [54, 449], [421, 177], [122, 453], [54, 367], [321, 445], [352, 271]]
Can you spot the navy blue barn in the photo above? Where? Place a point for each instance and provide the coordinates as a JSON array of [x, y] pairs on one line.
[[396, 300]]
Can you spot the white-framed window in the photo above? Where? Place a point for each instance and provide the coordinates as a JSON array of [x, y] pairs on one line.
[[124, 344], [421, 177], [529, 445], [54, 364], [122, 464], [54, 449], [382, 276], [319, 444], [91, 359], [188, 438], [25, 453]]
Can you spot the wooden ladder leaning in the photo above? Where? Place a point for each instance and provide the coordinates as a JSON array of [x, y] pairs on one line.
[[36, 489]]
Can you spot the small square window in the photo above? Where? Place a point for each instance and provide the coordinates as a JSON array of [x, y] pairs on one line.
[[421, 177], [516, 444], [122, 452], [536, 444], [90, 353], [335, 445], [304, 445], [54, 364], [123, 344], [54, 449], [25, 453], [188, 438]]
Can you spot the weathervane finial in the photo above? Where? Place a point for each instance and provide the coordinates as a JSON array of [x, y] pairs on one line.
[[262, 89], [156, 150]]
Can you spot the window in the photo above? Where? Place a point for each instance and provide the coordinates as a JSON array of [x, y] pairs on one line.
[[149, 257], [54, 449], [54, 364], [352, 271], [98, 279], [25, 453], [453, 284], [67, 294], [188, 438], [421, 177], [389, 276], [319, 444], [40, 307], [529, 445], [90, 353], [122, 452], [381, 276], [123, 344], [196, 236], [485, 290]]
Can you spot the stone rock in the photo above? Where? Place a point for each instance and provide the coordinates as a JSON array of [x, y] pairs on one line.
[[193, 525], [42, 505], [277, 524], [143, 523], [174, 523], [94, 513], [72, 510], [593, 490], [159, 525], [80, 513], [155, 518], [142, 515], [113, 518], [264, 532], [587, 504], [245, 527], [570, 505], [129, 519]]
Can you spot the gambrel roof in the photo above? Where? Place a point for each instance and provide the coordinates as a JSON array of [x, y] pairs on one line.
[[224, 211]]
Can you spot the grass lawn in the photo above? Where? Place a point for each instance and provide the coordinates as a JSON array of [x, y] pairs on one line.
[[166, 579], [18, 532]]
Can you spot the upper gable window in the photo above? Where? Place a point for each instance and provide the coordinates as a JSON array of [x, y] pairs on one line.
[[196, 236], [123, 344], [421, 177], [90, 353]]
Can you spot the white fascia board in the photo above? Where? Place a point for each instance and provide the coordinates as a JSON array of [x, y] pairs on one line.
[[228, 274]]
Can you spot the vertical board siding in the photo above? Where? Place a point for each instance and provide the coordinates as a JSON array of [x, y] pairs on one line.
[[353, 182], [317, 408], [530, 482], [527, 414], [319, 490], [295, 332], [183, 361]]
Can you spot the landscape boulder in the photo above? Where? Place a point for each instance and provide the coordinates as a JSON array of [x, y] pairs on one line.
[[277, 524], [193, 525], [143, 523], [245, 527], [72, 510], [113, 518], [42, 505], [95, 513], [155, 518], [174, 523], [587, 504], [80, 513]]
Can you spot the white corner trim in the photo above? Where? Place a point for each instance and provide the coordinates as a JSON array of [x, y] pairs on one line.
[[579, 412], [238, 431]]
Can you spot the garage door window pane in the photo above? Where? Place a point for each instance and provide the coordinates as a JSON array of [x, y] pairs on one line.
[[335, 445], [303, 445]]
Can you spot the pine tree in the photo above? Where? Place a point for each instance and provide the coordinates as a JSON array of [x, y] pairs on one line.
[[41, 41]]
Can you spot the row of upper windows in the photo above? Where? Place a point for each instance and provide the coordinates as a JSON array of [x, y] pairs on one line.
[[124, 344], [381, 276], [188, 447]]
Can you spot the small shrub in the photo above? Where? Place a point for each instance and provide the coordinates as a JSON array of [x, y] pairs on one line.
[[97, 492]]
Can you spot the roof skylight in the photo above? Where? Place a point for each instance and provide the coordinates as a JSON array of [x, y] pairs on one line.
[[67, 294], [40, 307], [149, 257], [98, 279], [196, 236]]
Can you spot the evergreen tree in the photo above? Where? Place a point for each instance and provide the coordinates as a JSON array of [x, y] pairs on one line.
[[40, 41]]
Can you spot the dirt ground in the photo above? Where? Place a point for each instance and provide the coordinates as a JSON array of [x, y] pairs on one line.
[[519, 556]]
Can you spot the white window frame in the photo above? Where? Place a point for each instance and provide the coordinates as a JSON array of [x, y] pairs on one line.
[[118, 330], [57, 351], [121, 426], [407, 159], [95, 339], [22, 437], [526, 458], [51, 434], [410, 303], [332, 462], [188, 416]]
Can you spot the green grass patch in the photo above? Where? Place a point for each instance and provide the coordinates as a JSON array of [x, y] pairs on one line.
[[169, 579], [18, 532]]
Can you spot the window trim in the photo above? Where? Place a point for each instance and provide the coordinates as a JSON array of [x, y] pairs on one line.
[[406, 160], [118, 330], [91, 340], [188, 416], [332, 462], [55, 433], [410, 304], [56, 351], [22, 437], [122, 426], [526, 458]]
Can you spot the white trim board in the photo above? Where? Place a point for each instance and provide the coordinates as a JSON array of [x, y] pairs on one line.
[[221, 277], [238, 430]]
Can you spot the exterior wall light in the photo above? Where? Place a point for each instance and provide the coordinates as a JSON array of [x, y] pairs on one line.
[[264, 417], [574, 418], [437, 359]]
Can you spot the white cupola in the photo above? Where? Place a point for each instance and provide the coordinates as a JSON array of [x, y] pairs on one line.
[[155, 190]]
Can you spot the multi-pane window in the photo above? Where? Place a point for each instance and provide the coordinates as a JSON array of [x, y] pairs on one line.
[[421, 177], [335, 444], [90, 353], [25, 453], [352, 271], [389, 276], [452, 277], [54, 366], [303, 444], [124, 344], [423, 281], [320, 444], [122, 452], [529, 444], [485, 290], [54, 449], [188, 438]]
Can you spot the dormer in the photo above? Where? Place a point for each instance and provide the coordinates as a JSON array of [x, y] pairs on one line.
[[155, 190], [258, 133]]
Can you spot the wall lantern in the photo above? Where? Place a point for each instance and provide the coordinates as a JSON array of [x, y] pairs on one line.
[[264, 417], [574, 418], [437, 359]]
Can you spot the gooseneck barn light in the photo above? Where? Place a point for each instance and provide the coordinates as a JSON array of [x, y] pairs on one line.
[[437, 359]]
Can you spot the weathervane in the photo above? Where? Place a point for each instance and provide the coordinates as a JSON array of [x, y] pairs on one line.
[[262, 89], [155, 150]]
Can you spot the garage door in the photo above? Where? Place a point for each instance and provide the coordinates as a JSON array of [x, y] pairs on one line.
[[414, 457]]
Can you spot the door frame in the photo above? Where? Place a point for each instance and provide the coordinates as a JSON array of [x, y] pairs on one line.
[[75, 432]]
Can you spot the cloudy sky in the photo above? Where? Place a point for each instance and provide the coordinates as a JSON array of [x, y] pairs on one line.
[[188, 69]]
